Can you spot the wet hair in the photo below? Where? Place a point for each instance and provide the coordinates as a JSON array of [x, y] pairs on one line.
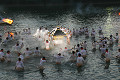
[[37, 48], [7, 38], [77, 51], [19, 59], [17, 44], [106, 49], [46, 41], [8, 51], [1, 49], [105, 42], [81, 47], [110, 35], [43, 57], [78, 45], [79, 54], [73, 52], [27, 48], [94, 41], [59, 54]]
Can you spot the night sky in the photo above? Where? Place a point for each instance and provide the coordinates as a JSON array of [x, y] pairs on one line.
[[55, 2]]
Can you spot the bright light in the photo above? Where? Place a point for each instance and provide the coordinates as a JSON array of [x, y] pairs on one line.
[[58, 41], [119, 13], [9, 21]]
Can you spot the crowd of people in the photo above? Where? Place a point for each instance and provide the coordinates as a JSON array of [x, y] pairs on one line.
[[78, 53]]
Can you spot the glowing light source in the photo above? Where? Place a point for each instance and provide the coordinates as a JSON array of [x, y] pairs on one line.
[[9, 21], [58, 41], [12, 34], [119, 13]]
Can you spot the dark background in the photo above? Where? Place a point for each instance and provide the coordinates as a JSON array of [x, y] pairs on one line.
[[55, 2]]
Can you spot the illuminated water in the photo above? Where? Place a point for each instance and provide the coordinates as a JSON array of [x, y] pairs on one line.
[[107, 18]]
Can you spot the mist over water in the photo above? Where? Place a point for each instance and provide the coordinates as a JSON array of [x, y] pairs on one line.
[[82, 16]]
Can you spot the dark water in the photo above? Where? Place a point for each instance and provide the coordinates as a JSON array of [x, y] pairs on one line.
[[106, 17]]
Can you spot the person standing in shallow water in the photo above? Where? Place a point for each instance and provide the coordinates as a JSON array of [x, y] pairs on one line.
[[107, 59], [27, 53], [73, 57], [19, 65], [58, 58], [8, 56], [116, 38], [118, 56], [42, 61], [36, 52], [80, 61], [2, 56]]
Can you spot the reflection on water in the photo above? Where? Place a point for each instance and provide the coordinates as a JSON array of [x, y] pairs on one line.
[[93, 69]]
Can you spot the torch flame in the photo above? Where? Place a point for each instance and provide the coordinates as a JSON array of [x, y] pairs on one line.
[[9, 21]]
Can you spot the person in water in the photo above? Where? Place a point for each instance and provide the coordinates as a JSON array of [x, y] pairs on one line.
[[20, 56], [37, 52], [83, 53], [19, 65], [73, 57], [103, 51], [58, 58], [107, 56], [116, 38], [27, 53], [17, 48], [80, 60], [42, 61], [8, 56], [47, 44], [118, 56], [2, 56]]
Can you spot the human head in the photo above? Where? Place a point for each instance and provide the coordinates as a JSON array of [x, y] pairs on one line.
[[17, 44], [46, 41], [2, 50], [106, 50], [65, 47], [77, 51], [36, 48], [116, 34], [8, 52], [81, 48], [78, 45], [19, 59], [110, 35], [43, 58], [79, 55], [59, 54], [27, 48], [119, 50], [73, 52]]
